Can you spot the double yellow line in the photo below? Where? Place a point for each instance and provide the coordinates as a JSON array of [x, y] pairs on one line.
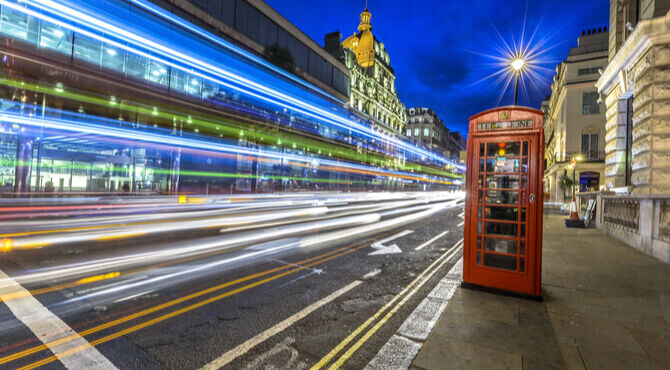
[[392, 307], [293, 268]]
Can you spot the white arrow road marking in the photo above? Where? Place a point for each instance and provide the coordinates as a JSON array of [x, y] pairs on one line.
[[461, 224], [243, 348], [430, 241], [388, 249], [49, 328]]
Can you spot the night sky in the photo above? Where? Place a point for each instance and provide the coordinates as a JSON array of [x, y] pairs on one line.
[[436, 46]]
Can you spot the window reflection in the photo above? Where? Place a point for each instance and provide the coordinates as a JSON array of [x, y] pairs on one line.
[[56, 38], [113, 58], [87, 49]]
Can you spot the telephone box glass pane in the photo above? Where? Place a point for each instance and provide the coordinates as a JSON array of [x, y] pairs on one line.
[[503, 149], [502, 197], [500, 245], [502, 213], [503, 165], [499, 228], [501, 262], [502, 181]]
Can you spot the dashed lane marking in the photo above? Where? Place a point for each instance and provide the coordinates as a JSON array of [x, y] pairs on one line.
[[49, 328], [243, 348], [430, 241]]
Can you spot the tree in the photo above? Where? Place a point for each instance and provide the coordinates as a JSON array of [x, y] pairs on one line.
[[281, 57], [565, 183]]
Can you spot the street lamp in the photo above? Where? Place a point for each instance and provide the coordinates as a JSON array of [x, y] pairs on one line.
[[573, 165], [517, 66]]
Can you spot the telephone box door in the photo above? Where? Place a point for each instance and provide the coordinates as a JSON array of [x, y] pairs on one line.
[[504, 212]]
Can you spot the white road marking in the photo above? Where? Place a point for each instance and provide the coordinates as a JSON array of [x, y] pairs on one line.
[[372, 274], [48, 327], [284, 346], [400, 350], [430, 241], [461, 224], [462, 215], [262, 337], [388, 249]]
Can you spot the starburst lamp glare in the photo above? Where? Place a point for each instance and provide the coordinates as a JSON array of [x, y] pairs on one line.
[[517, 64]]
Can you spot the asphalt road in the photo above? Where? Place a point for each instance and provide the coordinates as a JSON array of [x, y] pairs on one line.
[[291, 281]]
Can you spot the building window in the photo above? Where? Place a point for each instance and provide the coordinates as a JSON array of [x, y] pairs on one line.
[[409, 132], [88, 49], [416, 131], [590, 103], [588, 71], [629, 142], [590, 146], [426, 132], [56, 38], [14, 23]]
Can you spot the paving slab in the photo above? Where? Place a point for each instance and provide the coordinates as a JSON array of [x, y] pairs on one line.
[[606, 306]]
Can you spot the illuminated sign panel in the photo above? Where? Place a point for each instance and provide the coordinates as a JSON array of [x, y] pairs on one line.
[[485, 126]]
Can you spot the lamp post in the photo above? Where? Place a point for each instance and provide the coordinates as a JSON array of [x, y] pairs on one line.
[[573, 206], [517, 66]]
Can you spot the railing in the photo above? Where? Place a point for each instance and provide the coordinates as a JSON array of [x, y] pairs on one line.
[[584, 198], [642, 221], [586, 157], [622, 212], [664, 220]]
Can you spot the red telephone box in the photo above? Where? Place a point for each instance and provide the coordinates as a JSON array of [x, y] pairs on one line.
[[503, 208]]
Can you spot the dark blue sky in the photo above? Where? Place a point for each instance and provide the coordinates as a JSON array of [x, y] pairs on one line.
[[434, 45]]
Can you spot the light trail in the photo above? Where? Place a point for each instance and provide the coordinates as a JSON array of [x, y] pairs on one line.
[[150, 137], [195, 65]]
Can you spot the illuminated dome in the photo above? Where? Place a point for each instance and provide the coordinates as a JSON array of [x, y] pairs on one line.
[[363, 43]]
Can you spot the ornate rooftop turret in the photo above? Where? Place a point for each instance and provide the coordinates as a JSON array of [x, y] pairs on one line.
[[363, 42]]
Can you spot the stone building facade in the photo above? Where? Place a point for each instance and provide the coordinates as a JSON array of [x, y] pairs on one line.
[[372, 77], [424, 127], [635, 87], [574, 123]]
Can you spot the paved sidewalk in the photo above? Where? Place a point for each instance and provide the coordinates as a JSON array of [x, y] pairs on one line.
[[606, 306]]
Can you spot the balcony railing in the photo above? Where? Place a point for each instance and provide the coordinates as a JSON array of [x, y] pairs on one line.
[[595, 156]]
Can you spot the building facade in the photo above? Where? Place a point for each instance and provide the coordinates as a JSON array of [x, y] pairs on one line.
[[634, 87], [372, 77], [575, 120], [458, 145], [424, 127], [254, 25]]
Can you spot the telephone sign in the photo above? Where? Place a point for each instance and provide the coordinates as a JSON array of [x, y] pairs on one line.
[[503, 228]]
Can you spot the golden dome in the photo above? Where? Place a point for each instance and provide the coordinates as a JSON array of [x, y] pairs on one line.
[[363, 43]]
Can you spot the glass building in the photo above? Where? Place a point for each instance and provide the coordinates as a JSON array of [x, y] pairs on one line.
[[116, 96]]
